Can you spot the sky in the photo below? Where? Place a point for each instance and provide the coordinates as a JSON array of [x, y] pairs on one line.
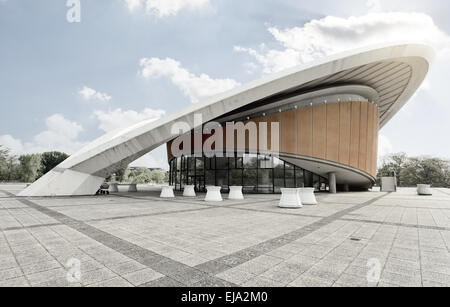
[[70, 71]]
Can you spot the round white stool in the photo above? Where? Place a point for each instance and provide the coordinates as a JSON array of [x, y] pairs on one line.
[[167, 192], [189, 191], [132, 187], [113, 188], [307, 196], [290, 199], [424, 190], [236, 193], [213, 194]]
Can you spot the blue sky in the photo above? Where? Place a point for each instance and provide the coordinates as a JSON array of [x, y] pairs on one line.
[[64, 84]]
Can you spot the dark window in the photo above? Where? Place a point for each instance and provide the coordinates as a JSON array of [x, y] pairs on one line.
[[210, 178], [278, 175], [256, 173], [250, 181], [222, 179], [265, 162], [235, 177], [222, 163], [250, 161], [299, 177], [289, 174], [265, 181], [200, 166]]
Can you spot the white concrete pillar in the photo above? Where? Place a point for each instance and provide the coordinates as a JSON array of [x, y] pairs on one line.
[[290, 199], [113, 188], [189, 191], [307, 196], [424, 190], [167, 192], [213, 194], [132, 187], [332, 182], [236, 193]]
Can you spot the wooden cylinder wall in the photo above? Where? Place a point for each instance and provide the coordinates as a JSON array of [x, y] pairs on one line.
[[346, 133]]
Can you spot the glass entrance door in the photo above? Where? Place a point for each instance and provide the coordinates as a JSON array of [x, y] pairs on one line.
[[200, 183]]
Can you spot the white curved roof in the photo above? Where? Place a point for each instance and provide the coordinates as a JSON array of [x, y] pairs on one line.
[[394, 72]]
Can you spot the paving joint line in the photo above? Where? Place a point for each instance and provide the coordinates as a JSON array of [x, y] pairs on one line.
[[159, 263], [439, 228], [173, 270], [240, 257]]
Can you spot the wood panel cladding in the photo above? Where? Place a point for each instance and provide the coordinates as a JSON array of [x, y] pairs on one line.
[[346, 133], [289, 131], [304, 130]]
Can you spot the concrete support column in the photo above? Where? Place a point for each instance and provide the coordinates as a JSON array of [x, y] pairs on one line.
[[332, 182]]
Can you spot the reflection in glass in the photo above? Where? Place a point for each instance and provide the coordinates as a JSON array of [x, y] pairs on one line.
[[256, 173]]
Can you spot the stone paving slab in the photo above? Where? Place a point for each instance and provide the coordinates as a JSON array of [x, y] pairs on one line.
[[137, 239]]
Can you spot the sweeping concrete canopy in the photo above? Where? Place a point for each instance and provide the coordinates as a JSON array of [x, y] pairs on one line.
[[386, 76]]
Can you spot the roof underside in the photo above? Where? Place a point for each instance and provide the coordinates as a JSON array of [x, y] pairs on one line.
[[388, 79]]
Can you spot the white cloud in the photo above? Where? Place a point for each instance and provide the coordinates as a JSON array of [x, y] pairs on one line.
[[112, 120], [374, 6], [61, 135], [91, 94], [322, 37], [14, 145], [163, 8], [194, 87], [384, 147]]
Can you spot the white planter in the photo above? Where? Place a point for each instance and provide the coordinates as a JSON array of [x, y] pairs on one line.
[[189, 191], [213, 194], [167, 192], [290, 199], [424, 190], [113, 188], [132, 187], [307, 196], [236, 193]]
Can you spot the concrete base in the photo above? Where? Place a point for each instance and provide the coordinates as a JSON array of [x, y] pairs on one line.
[[113, 188], [307, 196], [424, 190], [132, 187], [189, 191], [167, 192], [290, 199], [64, 182], [236, 193], [213, 194], [388, 184]]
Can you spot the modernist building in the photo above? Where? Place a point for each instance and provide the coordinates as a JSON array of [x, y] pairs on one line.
[[329, 114]]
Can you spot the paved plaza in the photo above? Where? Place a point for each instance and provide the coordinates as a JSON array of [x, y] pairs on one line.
[[137, 239]]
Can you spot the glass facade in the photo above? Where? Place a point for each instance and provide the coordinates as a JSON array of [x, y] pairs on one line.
[[255, 173]]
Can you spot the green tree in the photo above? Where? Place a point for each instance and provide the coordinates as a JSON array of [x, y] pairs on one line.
[[29, 167], [140, 175], [417, 170], [393, 163], [122, 174], [9, 169], [4, 155], [158, 176], [50, 160], [426, 170]]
